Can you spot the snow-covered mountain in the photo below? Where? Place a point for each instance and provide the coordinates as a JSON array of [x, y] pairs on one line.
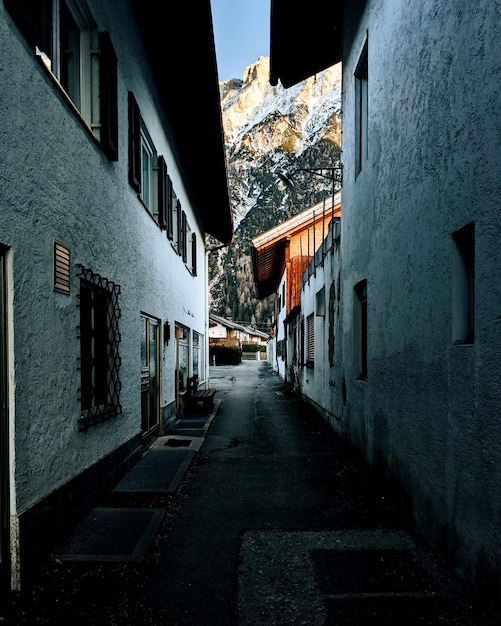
[[270, 130]]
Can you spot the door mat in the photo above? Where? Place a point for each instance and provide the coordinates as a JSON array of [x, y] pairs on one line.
[[112, 534], [159, 471], [177, 440]]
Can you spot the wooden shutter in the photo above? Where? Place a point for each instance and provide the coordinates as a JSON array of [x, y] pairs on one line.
[[194, 254], [163, 188], [108, 96], [134, 143], [310, 329], [184, 242], [34, 20], [170, 210], [179, 227]]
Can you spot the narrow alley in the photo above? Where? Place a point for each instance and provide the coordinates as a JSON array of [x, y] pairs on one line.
[[274, 522]]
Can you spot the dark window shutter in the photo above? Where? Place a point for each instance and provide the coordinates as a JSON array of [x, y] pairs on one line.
[[170, 210], [134, 143], [163, 186], [184, 243], [108, 96], [179, 227], [194, 254], [34, 20]]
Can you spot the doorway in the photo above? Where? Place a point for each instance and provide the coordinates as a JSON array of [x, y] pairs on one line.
[[150, 374]]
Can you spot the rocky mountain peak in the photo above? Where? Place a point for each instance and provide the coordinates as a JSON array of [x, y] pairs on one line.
[[270, 130]]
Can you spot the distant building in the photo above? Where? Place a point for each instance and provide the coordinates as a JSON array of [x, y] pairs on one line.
[[225, 332], [279, 258]]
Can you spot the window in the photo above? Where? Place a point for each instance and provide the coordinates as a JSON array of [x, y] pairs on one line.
[[310, 339], [146, 171], [463, 285], [320, 302], [360, 329], [198, 356], [183, 355], [99, 348], [361, 108], [82, 61]]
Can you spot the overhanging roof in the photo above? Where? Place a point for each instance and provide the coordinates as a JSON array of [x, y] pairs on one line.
[[268, 266], [268, 249], [304, 40], [182, 54]]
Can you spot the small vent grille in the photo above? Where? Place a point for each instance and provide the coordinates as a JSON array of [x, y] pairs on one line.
[[61, 267]]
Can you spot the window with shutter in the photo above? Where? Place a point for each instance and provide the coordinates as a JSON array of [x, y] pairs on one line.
[[134, 143], [179, 225], [163, 190], [143, 161], [64, 37], [184, 237], [170, 209]]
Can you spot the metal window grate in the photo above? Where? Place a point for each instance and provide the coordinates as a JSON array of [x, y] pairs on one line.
[[100, 359], [61, 267]]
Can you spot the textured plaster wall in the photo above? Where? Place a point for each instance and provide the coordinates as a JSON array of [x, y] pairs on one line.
[[322, 384], [57, 183], [429, 407]]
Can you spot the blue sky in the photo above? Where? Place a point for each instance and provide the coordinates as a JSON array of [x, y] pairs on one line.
[[241, 33]]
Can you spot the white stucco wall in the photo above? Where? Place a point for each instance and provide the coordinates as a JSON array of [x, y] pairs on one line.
[[429, 407], [322, 384], [57, 183]]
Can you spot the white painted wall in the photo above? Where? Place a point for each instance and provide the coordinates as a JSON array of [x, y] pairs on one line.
[[429, 408], [56, 183]]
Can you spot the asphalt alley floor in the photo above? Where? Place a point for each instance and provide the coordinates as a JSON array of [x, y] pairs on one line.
[[274, 521], [124, 534]]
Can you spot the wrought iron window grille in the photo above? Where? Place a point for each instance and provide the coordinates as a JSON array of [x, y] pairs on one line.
[[100, 360]]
